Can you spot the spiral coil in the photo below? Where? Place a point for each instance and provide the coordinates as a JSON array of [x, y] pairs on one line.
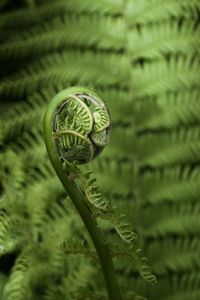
[[81, 127]]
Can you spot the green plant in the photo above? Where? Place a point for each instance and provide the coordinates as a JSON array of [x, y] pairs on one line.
[[76, 128], [70, 128], [142, 56]]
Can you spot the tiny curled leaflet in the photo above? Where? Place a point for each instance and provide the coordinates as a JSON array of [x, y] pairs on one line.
[[81, 127]]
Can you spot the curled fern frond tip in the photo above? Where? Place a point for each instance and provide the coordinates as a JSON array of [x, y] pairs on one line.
[[80, 124]]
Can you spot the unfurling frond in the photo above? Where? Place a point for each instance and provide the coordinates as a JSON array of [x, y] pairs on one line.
[[133, 255], [93, 195], [75, 247]]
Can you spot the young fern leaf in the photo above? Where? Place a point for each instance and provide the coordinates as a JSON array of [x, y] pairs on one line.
[[61, 104], [76, 115], [104, 210], [93, 196], [133, 255], [124, 230], [75, 247]]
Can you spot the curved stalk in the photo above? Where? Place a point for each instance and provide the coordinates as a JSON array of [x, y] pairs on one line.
[[78, 198]]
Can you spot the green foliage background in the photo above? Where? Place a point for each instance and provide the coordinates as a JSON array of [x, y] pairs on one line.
[[143, 57]]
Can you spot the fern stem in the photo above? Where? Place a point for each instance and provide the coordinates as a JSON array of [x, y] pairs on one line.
[[77, 197]]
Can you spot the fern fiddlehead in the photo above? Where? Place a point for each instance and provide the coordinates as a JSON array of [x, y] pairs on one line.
[[81, 127], [76, 129]]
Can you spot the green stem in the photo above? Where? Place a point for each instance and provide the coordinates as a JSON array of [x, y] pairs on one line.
[[79, 201]]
